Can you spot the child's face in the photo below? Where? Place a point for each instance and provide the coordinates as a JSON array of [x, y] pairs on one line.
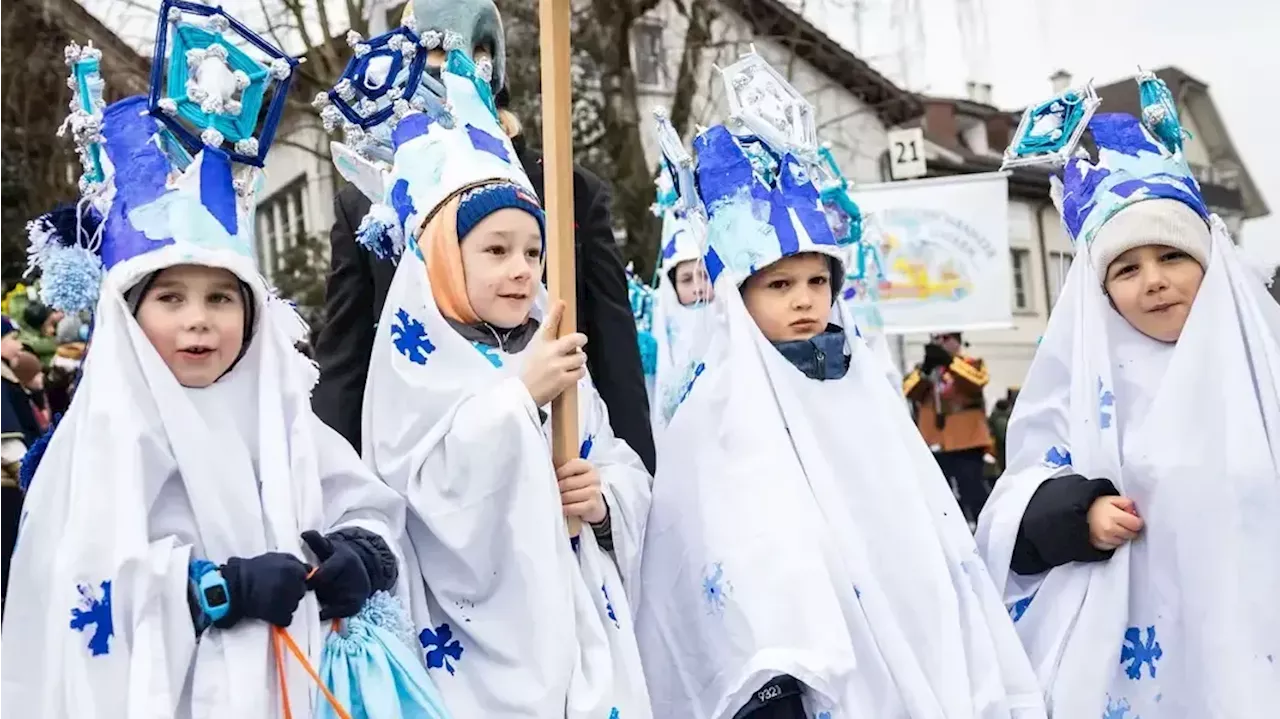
[[11, 346], [790, 299], [502, 262], [1153, 287], [194, 317], [692, 283]]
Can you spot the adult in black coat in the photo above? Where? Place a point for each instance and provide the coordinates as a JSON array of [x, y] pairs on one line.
[[357, 288]]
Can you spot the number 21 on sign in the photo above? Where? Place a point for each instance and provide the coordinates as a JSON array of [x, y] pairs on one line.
[[906, 153]]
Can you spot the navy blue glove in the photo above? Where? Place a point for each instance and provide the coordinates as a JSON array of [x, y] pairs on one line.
[[267, 587], [341, 582]]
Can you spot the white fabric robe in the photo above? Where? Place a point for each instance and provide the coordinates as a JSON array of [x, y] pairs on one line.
[[1180, 622], [802, 527], [141, 477], [678, 331], [514, 622]]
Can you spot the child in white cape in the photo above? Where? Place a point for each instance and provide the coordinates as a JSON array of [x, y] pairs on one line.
[[804, 556], [515, 619], [168, 525], [1134, 534]]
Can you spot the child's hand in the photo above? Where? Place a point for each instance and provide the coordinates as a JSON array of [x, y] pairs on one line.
[[554, 364], [1112, 522], [580, 494], [268, 587], [341, 581]]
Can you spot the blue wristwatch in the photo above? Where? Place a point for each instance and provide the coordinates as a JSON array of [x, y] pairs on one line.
[[211, 593]]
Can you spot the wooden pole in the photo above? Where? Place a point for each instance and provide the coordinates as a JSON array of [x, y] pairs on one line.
[[557, 162]]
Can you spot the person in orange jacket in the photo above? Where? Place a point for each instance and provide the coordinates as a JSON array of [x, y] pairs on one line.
[[945, 391]]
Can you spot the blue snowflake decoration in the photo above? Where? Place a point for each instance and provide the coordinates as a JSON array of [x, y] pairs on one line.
[[441, 647], [715, 589], [377, 74], [1051, 130], [614, 713], [94, 611], [1018, 608], [410, 338], [179, 98], [87, 103], [1118, 709], [608, 605], [488, 353], [1106, 405], [1137, 652], [1057, 456]]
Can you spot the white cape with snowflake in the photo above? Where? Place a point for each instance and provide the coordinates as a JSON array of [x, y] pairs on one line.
[[514, 621], [1181, 622], [144, 475], [802, 527]]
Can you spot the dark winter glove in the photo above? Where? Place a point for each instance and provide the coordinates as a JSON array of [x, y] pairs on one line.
[[934, 357], [267, 587], [341, 582]]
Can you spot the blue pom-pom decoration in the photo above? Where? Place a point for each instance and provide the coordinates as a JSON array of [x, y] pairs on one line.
[[71, 277], [35, 453], [380, 232]]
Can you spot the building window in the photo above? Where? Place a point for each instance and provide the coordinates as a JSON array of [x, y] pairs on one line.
[[281, 219], [1020, 260], [650, 59], [1059, 265]]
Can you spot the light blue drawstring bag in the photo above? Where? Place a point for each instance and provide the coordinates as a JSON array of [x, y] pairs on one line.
[[372, 670]]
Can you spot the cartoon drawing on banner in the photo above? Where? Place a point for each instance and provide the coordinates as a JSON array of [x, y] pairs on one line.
[[929, 256]]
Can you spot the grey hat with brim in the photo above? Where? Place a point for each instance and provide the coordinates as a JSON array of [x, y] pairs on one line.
[[1158, 221]]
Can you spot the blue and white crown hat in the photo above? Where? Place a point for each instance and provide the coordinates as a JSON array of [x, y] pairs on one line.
[[684, 219], [170, 175], [442, 140], [1138, 160], [757, 175]]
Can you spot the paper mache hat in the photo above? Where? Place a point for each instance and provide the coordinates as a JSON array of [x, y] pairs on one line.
[[760, 175], [1137, 158], [177, 168], [684, 220], [412, 141]]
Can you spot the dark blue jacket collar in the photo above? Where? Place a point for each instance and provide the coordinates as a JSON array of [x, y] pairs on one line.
[[820, 358]]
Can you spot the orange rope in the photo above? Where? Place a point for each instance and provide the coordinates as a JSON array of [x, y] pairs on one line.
[[280, 636]]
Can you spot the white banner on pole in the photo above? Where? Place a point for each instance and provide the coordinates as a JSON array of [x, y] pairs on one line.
[[944, 245]]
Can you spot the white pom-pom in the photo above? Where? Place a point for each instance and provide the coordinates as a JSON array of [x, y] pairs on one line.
[[281, 68], [212, 137]]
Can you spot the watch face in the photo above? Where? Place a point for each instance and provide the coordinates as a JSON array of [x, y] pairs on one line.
[[215, 596]]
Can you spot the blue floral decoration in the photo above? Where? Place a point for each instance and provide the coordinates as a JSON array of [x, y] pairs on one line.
[[442, 649], [95, 611], [1138, 651]]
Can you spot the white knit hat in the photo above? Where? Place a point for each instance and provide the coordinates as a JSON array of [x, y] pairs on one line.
[[1157, 221]]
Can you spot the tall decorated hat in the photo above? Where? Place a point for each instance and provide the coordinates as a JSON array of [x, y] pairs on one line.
[[684, 220], [172, 173], [1136, 188], [415, 136], [759, 176]]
